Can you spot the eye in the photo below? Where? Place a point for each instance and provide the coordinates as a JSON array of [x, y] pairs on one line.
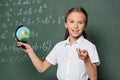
[[71, 21], [81, 22]]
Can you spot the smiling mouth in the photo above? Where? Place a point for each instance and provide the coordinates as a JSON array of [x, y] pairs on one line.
[[75, 31]]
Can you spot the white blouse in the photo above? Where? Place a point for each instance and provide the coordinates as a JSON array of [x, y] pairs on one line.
[[70, 66]]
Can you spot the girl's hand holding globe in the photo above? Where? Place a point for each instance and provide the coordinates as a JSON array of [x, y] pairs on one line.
[[22, 35]]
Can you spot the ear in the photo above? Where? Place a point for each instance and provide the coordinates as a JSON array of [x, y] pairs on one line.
[[65, 25]]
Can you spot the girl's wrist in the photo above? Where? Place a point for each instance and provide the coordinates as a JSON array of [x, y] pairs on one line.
[[86, 60], [30, 52]]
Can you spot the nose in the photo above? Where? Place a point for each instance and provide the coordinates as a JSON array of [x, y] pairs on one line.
[[76, 25]]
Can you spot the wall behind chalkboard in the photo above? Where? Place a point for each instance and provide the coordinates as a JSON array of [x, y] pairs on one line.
[[45, 18]]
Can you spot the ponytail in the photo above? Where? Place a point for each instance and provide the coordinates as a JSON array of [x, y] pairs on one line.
[[66, 34], [84, 34]]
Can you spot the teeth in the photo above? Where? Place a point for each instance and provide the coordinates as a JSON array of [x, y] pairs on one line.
[[75, 31]]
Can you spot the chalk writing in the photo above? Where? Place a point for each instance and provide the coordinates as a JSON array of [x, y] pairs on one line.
[[5, 48], [14, 57], [3, 35], [45, 46], [24, 12], [26, 2]]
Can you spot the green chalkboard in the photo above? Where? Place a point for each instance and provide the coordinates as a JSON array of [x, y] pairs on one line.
[[45, 18]]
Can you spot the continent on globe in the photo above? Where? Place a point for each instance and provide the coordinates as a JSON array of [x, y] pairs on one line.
[[23, 34]]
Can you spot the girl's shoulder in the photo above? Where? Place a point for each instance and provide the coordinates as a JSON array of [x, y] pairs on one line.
[[89, 43], [61, 43]]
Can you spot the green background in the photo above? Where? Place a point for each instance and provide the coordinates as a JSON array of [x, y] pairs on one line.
[[45, 18]]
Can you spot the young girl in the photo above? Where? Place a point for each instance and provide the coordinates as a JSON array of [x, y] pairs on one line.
[[77, 58]]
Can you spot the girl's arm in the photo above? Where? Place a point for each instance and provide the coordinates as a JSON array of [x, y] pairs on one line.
[[90, 67], [40, 65]]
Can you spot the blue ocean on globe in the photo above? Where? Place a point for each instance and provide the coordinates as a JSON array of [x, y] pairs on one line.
[[23, 34]]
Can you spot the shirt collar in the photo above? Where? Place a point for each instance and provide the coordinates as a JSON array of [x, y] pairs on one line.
[[79, 41]]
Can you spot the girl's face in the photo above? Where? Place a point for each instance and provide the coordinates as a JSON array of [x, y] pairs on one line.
[[76, 23]]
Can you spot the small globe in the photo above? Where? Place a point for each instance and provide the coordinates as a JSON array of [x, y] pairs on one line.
[[23, 34]]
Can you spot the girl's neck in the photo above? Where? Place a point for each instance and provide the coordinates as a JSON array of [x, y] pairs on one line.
[[72, 40]]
